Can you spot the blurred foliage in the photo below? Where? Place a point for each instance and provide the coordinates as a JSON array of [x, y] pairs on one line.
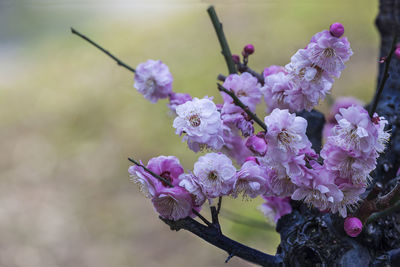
[[70, 118]]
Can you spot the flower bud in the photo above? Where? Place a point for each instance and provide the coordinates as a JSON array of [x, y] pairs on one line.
[[257, 144], [336, 29], [254, 159], [236, 58], [397, 52], [353, 226], [248, 49]]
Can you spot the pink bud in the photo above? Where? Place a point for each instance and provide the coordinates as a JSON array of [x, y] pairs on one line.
[[257, 144], [336, 29], [249, 49], [397, 52], [353, 226], [236, 58]]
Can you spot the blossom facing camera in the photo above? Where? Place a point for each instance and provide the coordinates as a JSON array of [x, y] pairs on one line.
[[200, 121], [215, 174], [352, 226], [153, 80], [336, 29]]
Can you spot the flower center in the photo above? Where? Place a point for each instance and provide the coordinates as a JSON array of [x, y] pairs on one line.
[[285, 138], [328, 52], [212, 176], [241, 93], [167, 176], [150, 82], [195, 120]]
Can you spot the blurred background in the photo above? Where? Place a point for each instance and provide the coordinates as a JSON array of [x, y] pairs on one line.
[[70, 117]]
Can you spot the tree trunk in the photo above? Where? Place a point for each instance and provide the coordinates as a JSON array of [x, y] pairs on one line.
[[310, 237]]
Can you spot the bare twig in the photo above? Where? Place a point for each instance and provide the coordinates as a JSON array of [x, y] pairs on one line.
[[384, 77], [119, 62], [219, 204], [222, 40], [216, 238], [380, 214], [244, 68], [245, 108]]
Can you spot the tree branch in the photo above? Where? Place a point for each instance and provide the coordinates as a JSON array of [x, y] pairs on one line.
[[119, 62], [244, 68], [245, 108], [385, 76], [216, 238], [222, 40], [380, 214]]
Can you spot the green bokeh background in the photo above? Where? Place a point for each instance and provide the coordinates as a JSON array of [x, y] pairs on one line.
[[69, 118]]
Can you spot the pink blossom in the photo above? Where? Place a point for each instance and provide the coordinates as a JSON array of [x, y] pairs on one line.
[[176, 99], [352, 226], [215, 174], [257, 144], [246, 88], [153, 80], [322, 192], [279, 183], [234, 117], [310, 83], [341, 102], [273, 69], [286, 134], [173, 203], [275, 207], [188, 181], [275, 90], [200, 121], [167, 167], [329, 52], [250, 180], [383, 136], [351, 197]]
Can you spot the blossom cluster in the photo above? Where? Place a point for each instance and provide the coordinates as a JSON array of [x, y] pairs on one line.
[[308, 77], [278, 164]]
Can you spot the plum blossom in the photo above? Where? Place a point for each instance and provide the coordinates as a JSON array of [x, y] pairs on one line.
[[200, 121], [234, 117], [275, 90], [215, 174], [286, 134], [167, 167], [234, 145], [329, 52], [322, 192], [188, 181], [351, 197], [275, 207], [173, 203], [246, 88], [257, 144], [273, 69], [341, 102], [153, 80], [250, 180]]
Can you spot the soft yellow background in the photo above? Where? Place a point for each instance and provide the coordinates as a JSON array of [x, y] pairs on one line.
[[69, 118]]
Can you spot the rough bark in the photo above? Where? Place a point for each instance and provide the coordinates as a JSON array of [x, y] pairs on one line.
[[310, 237]]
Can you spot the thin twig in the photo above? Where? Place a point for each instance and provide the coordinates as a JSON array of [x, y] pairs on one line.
[[380, 214], [245, 108], [119, 62], [244, 68], [222, 40], [207, 222], [384, 77]]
